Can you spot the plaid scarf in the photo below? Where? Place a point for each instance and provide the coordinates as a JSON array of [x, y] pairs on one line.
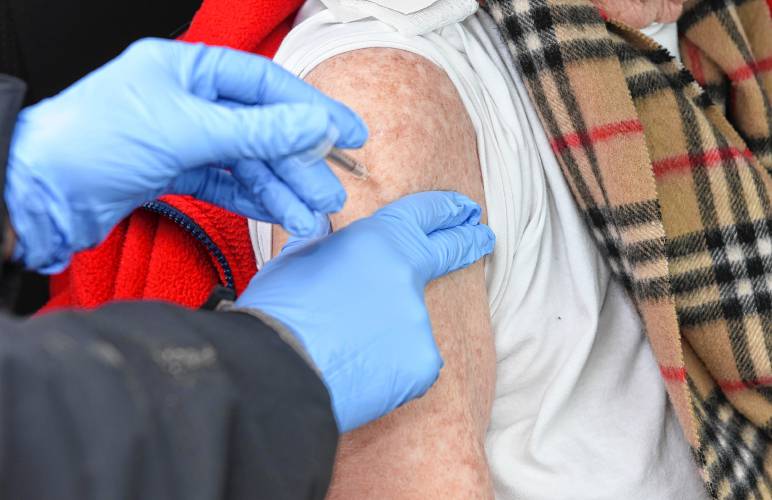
[[671, 168]]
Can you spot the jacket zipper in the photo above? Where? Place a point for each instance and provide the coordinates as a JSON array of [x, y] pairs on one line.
[[190, 226]]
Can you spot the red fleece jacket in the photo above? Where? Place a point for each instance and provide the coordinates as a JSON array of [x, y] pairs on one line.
[[181, 256]]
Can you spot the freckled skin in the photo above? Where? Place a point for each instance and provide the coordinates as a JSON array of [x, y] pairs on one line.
[[420, 139], [641, 13]]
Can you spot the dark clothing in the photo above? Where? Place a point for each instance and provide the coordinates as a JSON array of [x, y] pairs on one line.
[[52, 44], [151, 401]]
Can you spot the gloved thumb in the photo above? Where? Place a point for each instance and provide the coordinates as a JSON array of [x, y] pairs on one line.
[[322, 229], [458, 247]]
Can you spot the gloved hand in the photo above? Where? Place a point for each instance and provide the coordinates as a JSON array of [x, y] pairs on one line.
[[165, 117], [355, 299]]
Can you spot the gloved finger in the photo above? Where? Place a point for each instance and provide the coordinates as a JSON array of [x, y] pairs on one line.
[[434, 210], [322, 229], [312, 181], [458, 247], [278, 199], [220, 188], [270, 132], [220, 73]]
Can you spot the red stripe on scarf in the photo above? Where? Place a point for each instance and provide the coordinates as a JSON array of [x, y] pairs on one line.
[[597, 134], [750, 70], [673, 373], [707, 159], [694, 56], [739, 385]]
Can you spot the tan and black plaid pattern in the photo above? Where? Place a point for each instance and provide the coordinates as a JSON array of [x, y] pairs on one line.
[[728, 49], [671, 179]]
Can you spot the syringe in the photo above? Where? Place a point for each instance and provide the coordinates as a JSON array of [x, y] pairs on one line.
[[347, 163]]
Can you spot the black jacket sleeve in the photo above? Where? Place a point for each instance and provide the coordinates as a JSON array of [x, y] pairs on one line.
[[151, 401], [12, 92], [147, 400]]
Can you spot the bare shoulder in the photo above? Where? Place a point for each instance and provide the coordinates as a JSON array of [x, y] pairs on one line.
[[420, 134]]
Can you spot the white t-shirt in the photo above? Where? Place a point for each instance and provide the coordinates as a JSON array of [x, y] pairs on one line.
[[580, 409]]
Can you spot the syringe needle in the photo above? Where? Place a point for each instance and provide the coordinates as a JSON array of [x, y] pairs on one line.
[[347, 163]]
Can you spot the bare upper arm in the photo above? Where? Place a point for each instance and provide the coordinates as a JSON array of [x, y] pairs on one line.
[[420, 139]]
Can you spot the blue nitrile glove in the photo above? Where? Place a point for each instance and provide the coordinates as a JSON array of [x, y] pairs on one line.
[[355, 299], [166, 117]]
